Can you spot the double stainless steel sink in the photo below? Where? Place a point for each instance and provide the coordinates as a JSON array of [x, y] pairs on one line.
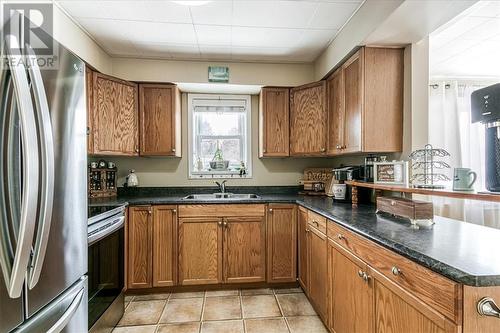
[[221, 196]]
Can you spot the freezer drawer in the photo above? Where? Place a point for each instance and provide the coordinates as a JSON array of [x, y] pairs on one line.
[[67, 313]]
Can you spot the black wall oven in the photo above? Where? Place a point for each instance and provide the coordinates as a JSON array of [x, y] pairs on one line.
[[105, 266]]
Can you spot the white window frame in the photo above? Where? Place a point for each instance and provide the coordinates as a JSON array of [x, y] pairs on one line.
[[193, 174]]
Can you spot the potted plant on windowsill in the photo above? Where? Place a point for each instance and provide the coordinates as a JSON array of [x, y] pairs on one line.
[[218, 162]]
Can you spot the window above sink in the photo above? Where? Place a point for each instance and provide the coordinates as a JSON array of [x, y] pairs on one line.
[[219, 129]]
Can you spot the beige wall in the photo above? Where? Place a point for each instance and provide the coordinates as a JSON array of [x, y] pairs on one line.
[[72, 37], [197, 72], [174, 171]]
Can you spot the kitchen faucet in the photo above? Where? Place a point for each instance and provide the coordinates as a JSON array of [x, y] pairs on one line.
[[221, 186]]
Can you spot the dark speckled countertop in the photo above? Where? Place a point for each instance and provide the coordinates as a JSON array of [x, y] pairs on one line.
[[464, 252]]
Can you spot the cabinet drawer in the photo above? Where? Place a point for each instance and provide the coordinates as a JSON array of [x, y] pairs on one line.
[[435, 290], [317, 221], [222, 210]]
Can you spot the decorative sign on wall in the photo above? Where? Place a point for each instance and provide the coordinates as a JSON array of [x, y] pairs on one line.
[[218, 74]]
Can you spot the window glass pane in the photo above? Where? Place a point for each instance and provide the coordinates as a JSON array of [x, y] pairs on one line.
[[217, 123], [231, 151]]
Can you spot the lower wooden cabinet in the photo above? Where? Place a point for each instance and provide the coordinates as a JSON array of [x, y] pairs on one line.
[[164, 246], [317, 278], [200, 250], [303, 259], [151, 252], [225, 244], [350, 295], [140, 232], [281, 243], [244, 249]]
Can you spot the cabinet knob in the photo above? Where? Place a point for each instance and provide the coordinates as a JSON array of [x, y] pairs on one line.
[[343, 147], [174, 211], [307, 230], [323, 150], [396, 271], [360, 273], [173, 149], [338, 146], [136, 150], [341, 237], [225, 224], [150, 212], [264, 150], [316, 223], [363, 275], [270, 210], [219, 223]]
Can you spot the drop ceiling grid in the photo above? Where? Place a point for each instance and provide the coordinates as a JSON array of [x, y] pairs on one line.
[[469, 46], [248, 30]]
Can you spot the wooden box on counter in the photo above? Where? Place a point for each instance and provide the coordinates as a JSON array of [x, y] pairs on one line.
[[411, 209]]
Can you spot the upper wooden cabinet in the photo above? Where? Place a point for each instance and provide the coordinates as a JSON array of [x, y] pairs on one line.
[[274, 122], [114, 112], [365, 103], [160, 119], [308, 120], [281, 243]]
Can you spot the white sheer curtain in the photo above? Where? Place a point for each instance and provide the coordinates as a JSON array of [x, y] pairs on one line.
[[450, 128]]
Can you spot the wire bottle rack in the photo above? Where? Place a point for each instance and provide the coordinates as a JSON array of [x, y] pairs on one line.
[[427, 169]]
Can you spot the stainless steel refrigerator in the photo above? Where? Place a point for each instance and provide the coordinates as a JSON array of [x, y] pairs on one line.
[[43, 202]]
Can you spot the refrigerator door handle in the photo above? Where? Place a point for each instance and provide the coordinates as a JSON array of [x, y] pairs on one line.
[[14, 274], [47, 170], [66, 317]]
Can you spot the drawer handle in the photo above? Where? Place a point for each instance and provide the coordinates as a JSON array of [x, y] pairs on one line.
[[396, 271], [341, 237], [487, 307], [316, 223]]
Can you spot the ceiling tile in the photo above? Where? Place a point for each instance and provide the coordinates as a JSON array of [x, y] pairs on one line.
[[213, 34], [333, 15], [316, 38], [455, 30], [488, 29], [292, 14], [151, 10], [265, 37], [168, 51], [215, 12], [173, 33]]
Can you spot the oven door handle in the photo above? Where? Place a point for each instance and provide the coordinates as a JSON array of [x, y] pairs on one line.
[[110, 228]]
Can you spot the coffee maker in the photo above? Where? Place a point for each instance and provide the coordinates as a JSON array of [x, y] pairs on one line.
[[485, 108]]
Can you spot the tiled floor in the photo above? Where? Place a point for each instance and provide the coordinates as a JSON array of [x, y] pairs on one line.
[[227, 311]]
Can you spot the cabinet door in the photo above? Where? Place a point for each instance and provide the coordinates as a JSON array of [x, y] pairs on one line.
[[200, 251], [164, 246], [317, 259], [140, 230], [302, 247], [282, 243], [160, 119], [350, 296], [335, 99], [244, 249], [115, 112], [398, 311], [308, 120], [274, 122], [353, 100]]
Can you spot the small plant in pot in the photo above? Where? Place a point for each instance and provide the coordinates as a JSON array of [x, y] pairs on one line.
[[218, 162]]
